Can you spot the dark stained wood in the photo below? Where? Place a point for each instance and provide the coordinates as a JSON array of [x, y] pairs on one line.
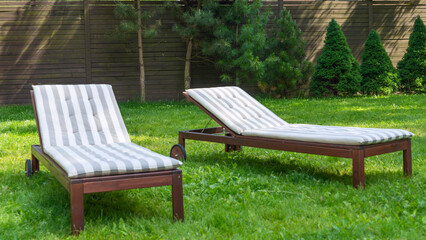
[[35, 164], [126, 176], [407, 159], [381, 148], [275, 144], [182, 139], [208, 130], [358, 173], [358, 153], [52, 166], [36, 119], [87, 35], [123, 184], [77, 187], [177, 193], [370, 14], [77, 208], [75, 36], [232, 133]]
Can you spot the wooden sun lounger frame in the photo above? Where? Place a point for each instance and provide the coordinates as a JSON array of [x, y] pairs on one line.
[[234, 141], [77, 187]]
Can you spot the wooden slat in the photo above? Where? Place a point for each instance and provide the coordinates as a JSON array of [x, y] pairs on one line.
[[45, 43]]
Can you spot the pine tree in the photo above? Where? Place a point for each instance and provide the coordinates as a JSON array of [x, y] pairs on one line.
[[195, 20], [238, 41], [337, 71], [378, 74], [133, 20], [286, 69], [412, 67]]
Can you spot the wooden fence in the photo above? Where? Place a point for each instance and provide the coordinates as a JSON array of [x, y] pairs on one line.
[[53, 41]]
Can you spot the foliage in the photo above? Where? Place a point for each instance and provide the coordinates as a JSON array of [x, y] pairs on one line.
[[378, 74], [412, 67], [238, 41], [286, 69], [235, 38], [196, 19], [337, 72], [128, 26], [253, 194]]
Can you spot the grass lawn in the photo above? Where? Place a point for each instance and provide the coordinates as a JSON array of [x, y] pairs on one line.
[[254, 194]]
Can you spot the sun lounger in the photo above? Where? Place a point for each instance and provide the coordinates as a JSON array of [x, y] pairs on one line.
[[246, 122], [85, 145]]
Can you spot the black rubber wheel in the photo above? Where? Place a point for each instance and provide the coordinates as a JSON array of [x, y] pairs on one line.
[[178, 152], [28, 168]]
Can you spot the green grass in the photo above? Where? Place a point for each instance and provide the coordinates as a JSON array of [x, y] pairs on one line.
[[255, 194]]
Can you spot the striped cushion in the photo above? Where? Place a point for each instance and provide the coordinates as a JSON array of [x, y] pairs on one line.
[[107, 159], [246, 116], [81, 128], [72, 115], [327, 134], [235, 108]]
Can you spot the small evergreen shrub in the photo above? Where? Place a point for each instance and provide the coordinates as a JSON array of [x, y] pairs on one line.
[[412, 67], [337, 72], [286, 70], [378, 74]]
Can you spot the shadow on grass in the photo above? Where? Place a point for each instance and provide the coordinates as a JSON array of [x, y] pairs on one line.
[[19, 129], [278, 166], [41, 202], [16, 113]]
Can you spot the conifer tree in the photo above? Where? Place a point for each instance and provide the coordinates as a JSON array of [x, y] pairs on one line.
[[238, 41], [133, 21], [412, 67], [234, 36], [195, 20], [286, 69], [378, 74], [337, 71]]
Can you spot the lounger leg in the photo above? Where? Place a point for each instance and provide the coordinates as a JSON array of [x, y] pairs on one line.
[[35, 165], [358, 168], [228, 148], [231, 148], [77, 208], [181, 140], [177, 196], [407, 159]]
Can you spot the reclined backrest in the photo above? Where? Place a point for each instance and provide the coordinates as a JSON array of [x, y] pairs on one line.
[[235, 108], [71, 115]]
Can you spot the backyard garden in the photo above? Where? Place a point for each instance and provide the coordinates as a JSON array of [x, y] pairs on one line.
[[254, 193]]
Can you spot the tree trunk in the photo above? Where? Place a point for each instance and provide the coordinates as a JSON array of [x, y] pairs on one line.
[[141, 64], [187, 75]]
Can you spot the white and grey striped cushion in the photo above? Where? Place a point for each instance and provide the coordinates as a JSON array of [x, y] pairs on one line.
[[78, 115], [235, 108], [82, 129], [108, 159], [246, 116], [330, 134]]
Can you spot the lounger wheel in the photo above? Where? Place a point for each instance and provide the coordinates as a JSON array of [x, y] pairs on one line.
[[178, 152], [233, 148], [28, 168]]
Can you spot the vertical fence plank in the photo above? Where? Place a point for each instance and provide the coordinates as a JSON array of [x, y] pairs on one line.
[[370, 15], [67, 42], [87, 40], [280, 5]]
